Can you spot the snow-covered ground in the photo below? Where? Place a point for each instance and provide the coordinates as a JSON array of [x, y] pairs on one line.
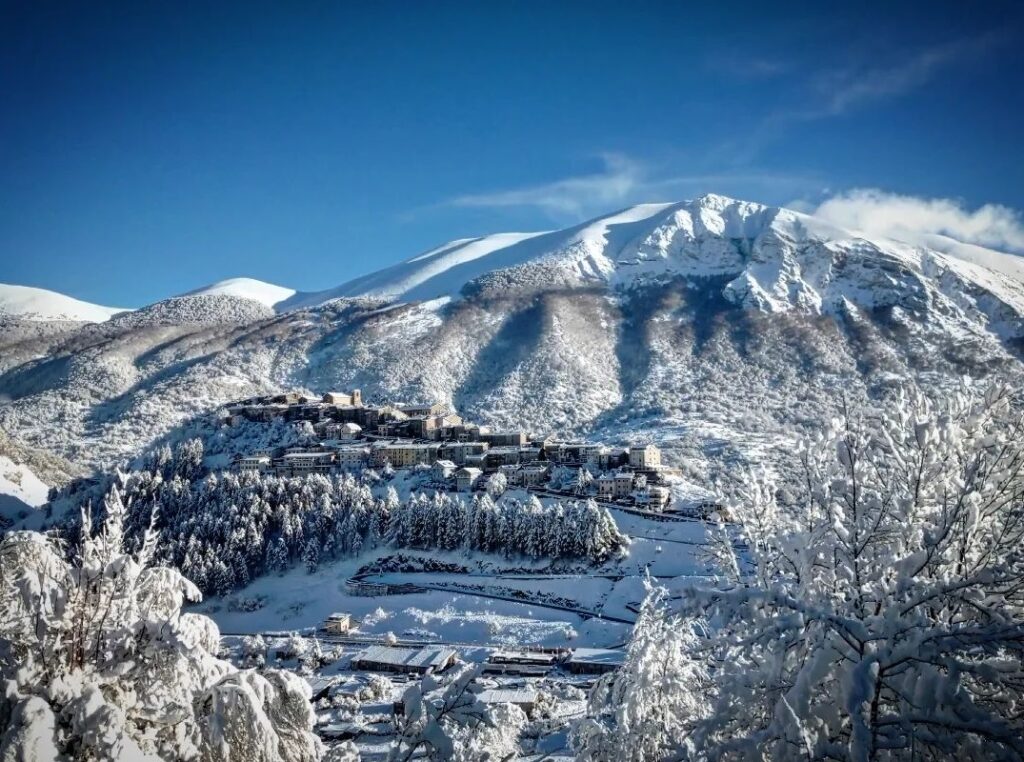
[[496, 602], [21, 491], [300, 601]]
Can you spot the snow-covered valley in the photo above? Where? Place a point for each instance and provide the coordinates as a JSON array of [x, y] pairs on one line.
[[721, 330]]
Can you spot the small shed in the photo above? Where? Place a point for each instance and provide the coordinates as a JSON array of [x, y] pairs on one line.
[[524, 657], [338, 623], [524, 663], [320, 686]]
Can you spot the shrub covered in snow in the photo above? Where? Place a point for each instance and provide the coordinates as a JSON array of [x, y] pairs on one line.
[[99, 662], [444, 720], [876, 615]]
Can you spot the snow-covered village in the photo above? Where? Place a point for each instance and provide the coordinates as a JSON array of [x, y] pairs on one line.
[[504, 382], [448, 453]]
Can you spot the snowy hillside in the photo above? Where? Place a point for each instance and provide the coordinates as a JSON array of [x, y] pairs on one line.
[[197, 309], [721, 328], [39, 304]]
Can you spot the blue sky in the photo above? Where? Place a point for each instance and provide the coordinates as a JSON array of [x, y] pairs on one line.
[[146, 151]]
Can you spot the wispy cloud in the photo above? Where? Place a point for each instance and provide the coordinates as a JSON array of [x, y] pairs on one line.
[[859, 83], [623, 181], [910, 218], [749, 67], [619, 180], [847, 88]]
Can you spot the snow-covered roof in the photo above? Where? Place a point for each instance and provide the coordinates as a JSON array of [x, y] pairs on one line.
[[341, 446], [319, 684], [508, 696], [539, 657], [425, 658], [444, 464], [597, 656]]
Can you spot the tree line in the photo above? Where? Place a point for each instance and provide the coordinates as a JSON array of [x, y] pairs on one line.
[[224, 529]]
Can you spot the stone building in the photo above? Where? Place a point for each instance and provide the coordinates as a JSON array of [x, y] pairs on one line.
[[347, 399], [645, 457]]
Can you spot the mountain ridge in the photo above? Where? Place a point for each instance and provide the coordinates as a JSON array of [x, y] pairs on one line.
[[720, 328], [444, 270]]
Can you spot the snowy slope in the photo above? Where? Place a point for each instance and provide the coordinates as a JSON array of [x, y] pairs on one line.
[[786, 263], [21, 491], [39, 304], [1011, 265], [19, 481], [246, 288], [438, 272]]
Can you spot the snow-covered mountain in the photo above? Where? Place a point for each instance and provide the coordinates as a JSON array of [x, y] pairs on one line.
[[25, 303], [719, 326], [247, 288]]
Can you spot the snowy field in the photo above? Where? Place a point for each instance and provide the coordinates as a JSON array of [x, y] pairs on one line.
[[497, 602]]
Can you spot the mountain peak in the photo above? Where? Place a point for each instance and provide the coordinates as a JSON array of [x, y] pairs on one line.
[[29, 303], [260, 291]]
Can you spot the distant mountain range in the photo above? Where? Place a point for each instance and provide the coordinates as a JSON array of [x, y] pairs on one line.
[[720, 327]]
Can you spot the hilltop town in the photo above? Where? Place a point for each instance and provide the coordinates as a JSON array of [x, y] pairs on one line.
[[346, 434]]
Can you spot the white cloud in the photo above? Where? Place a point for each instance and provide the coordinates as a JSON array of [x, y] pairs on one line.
[[624, 181], [912, 219], [574, 196], [835, 91], [568, 196], [844, 89]]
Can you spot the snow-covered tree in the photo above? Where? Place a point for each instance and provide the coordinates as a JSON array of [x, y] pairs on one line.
[[496, 485], [100, 663], [436, 708], [643, 710], [583, 481], [877, 612], [311, 556]]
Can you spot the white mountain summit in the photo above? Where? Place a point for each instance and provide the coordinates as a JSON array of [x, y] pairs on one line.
[[26, 303], [247, 288]]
